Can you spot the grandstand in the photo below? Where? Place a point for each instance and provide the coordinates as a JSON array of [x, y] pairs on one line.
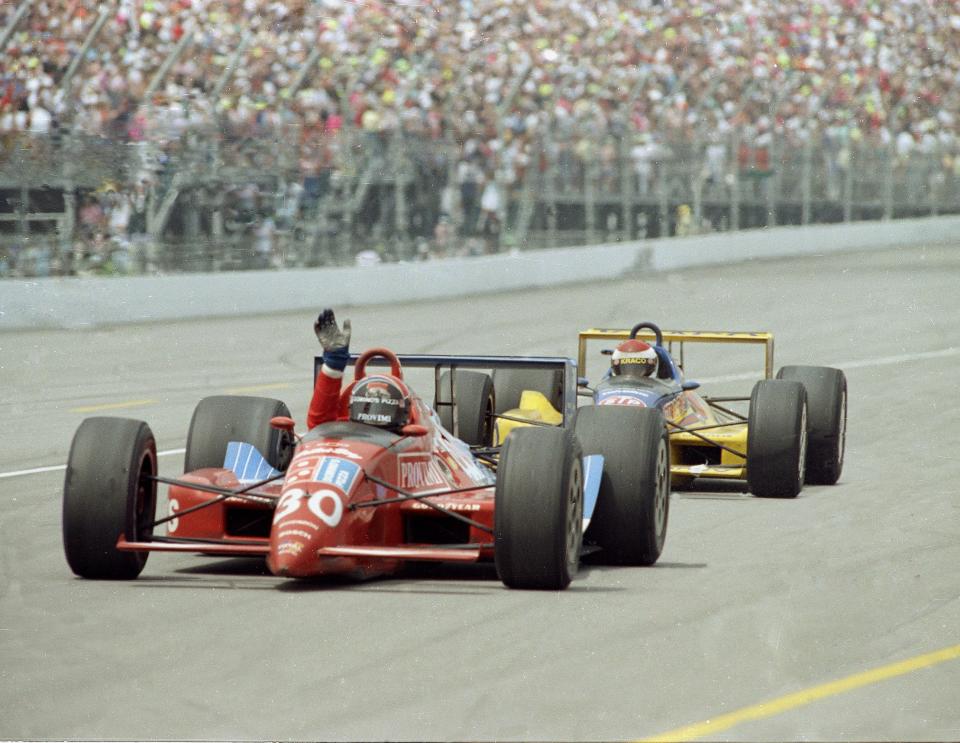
[[215, 134]]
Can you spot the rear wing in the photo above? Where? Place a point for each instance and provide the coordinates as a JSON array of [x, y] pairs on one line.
[[680, 337], [440, 363]]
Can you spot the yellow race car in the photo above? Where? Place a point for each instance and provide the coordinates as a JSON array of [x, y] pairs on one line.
[[793, 431]]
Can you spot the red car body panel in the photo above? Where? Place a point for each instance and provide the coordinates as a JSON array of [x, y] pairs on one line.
[[314, 522]]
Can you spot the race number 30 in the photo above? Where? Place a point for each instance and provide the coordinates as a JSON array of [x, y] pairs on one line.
[[325, 504]]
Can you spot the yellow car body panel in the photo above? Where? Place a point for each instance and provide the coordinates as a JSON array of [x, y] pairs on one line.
[[681, 337], [534, 409]]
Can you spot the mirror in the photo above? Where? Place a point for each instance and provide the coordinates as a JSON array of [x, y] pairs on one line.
[[583, 382], [690, 384], [414, 429], [282, 423]]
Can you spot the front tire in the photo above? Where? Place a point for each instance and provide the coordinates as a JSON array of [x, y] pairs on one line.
[[538, 510], [827, 403], [630, 519], [777, 426], [220, 419], [108, 491]]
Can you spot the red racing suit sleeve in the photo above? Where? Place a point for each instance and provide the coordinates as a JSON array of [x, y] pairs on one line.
[[325, 404]]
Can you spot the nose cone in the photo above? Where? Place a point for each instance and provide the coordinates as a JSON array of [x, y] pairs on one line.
[[309, 516], [301, 526], [295, 538], [292, 558]]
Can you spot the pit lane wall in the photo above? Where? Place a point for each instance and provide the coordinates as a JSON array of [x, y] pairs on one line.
[[89, 302]]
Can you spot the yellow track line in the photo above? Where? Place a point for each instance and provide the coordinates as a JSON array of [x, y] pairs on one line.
[[113, 406], [257, 388], [806, 696], [142, 403]]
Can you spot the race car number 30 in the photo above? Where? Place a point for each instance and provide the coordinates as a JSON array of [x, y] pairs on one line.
[[291, 500]]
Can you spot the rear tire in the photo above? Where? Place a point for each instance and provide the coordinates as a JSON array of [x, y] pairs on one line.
[[538, 511], [108, 492], [777, 427], [827, 407], [630, 518], [220, 419], [510, 384], [476, 423]]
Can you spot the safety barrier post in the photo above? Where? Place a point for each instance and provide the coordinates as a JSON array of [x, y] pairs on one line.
[[773, 178], [550, 175], [735, 180], [848, 185], [18, 15], [171, 59], [76, 64], [626, 182], [806, 176], [934, 163], [590, 197], [231, 68], [399, 185]]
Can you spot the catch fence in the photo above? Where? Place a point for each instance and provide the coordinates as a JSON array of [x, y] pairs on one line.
[[209, 200]]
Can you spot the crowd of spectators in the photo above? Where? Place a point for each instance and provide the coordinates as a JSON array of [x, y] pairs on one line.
[[432, 66], [491, 76]]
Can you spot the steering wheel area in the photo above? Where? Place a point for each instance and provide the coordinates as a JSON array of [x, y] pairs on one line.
[[360, 368], [658, 334]]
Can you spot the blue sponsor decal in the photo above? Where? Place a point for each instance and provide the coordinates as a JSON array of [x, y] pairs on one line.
[[642, 395], [341, 473], [248, 464]]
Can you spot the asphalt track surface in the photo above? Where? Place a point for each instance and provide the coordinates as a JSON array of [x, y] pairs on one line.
[[752, 601]]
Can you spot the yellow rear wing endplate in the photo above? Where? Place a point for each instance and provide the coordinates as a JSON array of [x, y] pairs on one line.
[[681, 337]]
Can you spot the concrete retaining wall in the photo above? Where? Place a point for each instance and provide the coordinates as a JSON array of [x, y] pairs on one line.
[[84, 302]]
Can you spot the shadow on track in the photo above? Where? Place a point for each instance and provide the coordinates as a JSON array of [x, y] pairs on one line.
[[479, 579], [736, 490]]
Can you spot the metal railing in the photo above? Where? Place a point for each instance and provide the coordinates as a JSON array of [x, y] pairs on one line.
[[215, 199]]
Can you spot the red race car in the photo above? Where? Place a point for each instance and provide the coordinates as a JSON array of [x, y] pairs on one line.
[[346, 498]]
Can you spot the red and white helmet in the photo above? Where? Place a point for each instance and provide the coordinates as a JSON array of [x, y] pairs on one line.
[[634, 358]]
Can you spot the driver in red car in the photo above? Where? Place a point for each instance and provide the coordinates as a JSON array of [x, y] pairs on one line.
[[377, 400]]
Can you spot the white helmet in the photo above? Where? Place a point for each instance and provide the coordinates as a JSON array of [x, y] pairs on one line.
[[634, 358]]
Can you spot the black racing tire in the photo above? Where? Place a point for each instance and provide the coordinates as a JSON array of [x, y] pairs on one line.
[[827, 408], [108, 492], [476, 423], [630, 518], [510, 384], [777, 428], [220, 419], [538, 509]]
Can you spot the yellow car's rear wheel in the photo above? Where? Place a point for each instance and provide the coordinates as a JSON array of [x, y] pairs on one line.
[[827, 402], [473, 392]]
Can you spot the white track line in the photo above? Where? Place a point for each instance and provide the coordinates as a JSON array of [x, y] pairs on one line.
[[904, 358], [56, 467]]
